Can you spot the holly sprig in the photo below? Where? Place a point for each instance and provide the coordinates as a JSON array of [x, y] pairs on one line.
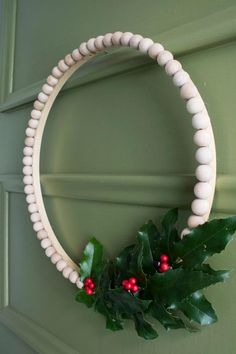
[[160, 276]]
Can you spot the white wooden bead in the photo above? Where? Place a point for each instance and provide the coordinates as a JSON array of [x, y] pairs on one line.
[[144, 45], [91, 45], [69, 60], [62, 66], [83, 49], [125, 38], [32, 208], [203, 173], [35, 114], [155, 50], [195, 105], [27, 170], [107, 40], [188, 91], [50, 251], [28, 179], [201, 138], [42, 97], [195, 220], [66, 272], [39, 106], [135, 40], [29, 189], [35, 217], [203, 155], [76, 55], [61, 264], [45, 243], [30, 198], [202, 190], [29, 141], [172, 67], [99, 43], [55, 258], [27, 160], [56, 72], [79, 283], [116, 37], [47, 89], [28, 151], [38, 225], [33, 123], [42, 234], [200, 206], [200, 120], [30, 132], [180, 78], [52, 80], [164, 57], [73, 277], [185, 232]]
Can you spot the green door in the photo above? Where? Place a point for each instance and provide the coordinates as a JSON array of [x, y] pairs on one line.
[[115, 153]]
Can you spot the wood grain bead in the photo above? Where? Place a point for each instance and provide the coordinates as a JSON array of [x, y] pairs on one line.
[[195, 105], [56, 257], [203, 173], [203, 155], [76, 55], [202, 190], [30, 132], [83, 49], [164, 57], [184, 232], [35, 114], [35, 217], [56, 72], [28, 151], [116, 37], [42, 234], [201, 138], [28, 179], [69, 60], [125, 38], [27, 161], [27, 170], [188, 91], [47, 89], [32, 208], [79, 283], [29, 189], [155, 50], [61, 264], [52, 80], [33, 123], [73, 277], [42, 97], [181, 78], [200, 207], [144, 45], [107, 40], [37, 226], [172, 67], [45, 243], [66, 272], [50, 251], [200, 121], [99, 43], [135, 40], [195, 220], [39, 106], [30, 198], [91, 45], [62, 66], [29, 141]]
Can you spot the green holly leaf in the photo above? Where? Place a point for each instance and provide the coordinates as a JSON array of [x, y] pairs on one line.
[[91, 263], [122, 262], [82, 297], [148, 237], [204, 241], [144, 328], [165, 317], [169, 231], [112, 321], [175, 285], [197, 308]]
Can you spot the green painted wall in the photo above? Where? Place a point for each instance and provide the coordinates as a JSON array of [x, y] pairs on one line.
[[115, 152]]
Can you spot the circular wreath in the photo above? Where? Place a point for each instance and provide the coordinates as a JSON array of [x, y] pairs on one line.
[[161, 275]]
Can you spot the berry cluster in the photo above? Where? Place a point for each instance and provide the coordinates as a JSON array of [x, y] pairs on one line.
[[130, 284], [164, 265], [89, 286]]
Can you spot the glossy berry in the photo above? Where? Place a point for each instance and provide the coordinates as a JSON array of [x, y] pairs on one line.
[[134, 288], [91, 286], [164, 258], [88, 281], [125, 282], [128, 286], [132, 280], [164, 267], [89, 291]]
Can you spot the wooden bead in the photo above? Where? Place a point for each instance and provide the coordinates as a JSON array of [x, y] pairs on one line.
[[144, 45], [28, 179], [28, 151], [56, 257], [200, 120], [181, 78], [27, 170], [203, 173], [61, 264], [47, 89], [107, 40], [188, 91], [135, 40], [172, 67], [50, 251], [116, 37], [155, 50], [35, 114], [200, 207], [30, 132], [184, 232], [39, 106], [69, 60], [194, 105], [45, 243], [195, 220], [83, 49], [56, 72], [76, 55], [125, 38], [202, 190], [35, 217], [62, 66], [33, 123], [32, 208], [30, 198], [66, 272], [42, 97], [29, 189], [99, 43], [42, 234], [29, 141], [38, 226], [79, 283], [203, 155], [73, 277], [91, 45], [52, 80], [201, 138], [164, 57], [27, 160]]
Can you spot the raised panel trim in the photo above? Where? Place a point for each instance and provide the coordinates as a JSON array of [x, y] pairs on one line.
[[4, 268]]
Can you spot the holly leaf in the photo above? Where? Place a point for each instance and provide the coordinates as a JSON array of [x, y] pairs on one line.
[[197, 308], [150, 232], [175, 285], [165, 317], [122, 261], [91, 263], [169, 231], [148, 237], [144, 328], [204, 241], [82, 297], [112, 321]]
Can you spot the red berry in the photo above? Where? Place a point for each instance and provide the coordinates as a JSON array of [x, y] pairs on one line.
[[91, 285], [89, 291], [134, 288], [128, 286], [164, 258], [164, 267], [132, 280], [88, 281], [124, 283]]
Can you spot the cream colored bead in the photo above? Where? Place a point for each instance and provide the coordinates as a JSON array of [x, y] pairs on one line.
[[61, 264], [29, 189], [107, 40], [202, 190], [29, 141], [200, 207], [203, 173], [79, 283], [52, 80], [45, 243], [195, 220], [73, 277], [66, 272], [91, 45], [35, 114], [195, 105], [39, 106], [28, 151], [47, 89], [32, 208], [56, 257], [185, 232], [116, 37], [30, 198], [76, 55], [69, 60], [188, 91], [28, 179], [30, 132], [135, 40], [83, 49], [125, 38], [33, 123], [144, 45], [164, 57], [180, 78], [42, 234], [172, 67], [50, 251], [27, 170], [203, 155], [62, 66], [201, 138], [200, 121], [35, 217], [27, 160], [56, 72], [42, 97], [155, 50], [99, 43], [38, 225]]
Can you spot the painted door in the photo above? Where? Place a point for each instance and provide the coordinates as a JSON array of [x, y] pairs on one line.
[[115, 152]]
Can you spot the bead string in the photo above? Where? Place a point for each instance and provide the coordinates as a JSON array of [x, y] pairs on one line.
[[203, 138]]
